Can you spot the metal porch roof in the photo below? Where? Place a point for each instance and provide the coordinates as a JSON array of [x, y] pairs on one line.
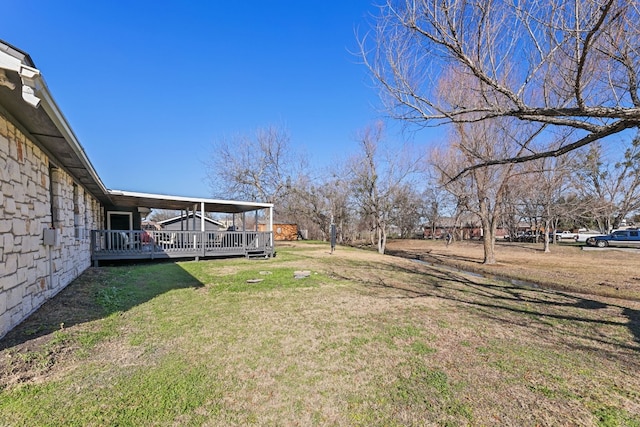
[[160, 201]]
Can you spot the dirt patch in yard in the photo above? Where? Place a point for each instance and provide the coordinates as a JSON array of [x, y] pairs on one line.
[[32, 348]]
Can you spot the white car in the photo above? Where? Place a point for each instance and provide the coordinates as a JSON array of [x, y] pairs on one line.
[[565, 235], [582, 236]]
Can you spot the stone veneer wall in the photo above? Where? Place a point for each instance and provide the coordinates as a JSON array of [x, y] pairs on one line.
[[30, 272]]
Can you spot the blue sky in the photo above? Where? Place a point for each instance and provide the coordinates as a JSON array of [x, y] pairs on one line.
[[147, 86]]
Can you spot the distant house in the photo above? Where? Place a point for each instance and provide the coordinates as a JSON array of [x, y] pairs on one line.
[[190, 221], [467, 227], [56, 215]]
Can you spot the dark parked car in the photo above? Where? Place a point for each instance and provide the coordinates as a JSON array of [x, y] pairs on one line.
[[530, 237], [620, 238]]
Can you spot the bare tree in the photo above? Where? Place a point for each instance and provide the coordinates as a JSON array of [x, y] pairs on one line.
[[545, 181], [316, 203], [437, 203], [482, 190], [377, 180], [162, 214], [565, 64], [511, 207], [407, 210], [611, 188], [373, 204], [573, 210], [259, 168]]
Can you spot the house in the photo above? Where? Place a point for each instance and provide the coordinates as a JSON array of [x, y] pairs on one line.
[[49, 193], [190, 221], [466, 227], [56, 215]]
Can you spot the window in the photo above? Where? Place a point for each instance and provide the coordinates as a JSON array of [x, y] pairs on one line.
[[77, 223], [53, 195], [88, 208]]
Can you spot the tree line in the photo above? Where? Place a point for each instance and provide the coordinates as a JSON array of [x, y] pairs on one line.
[[384, 189], [540, 103]]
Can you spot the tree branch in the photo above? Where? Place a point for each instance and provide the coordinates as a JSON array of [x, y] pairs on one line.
[[604, 132]]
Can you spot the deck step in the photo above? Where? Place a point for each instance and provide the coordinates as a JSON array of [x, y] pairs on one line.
[[256, 254]]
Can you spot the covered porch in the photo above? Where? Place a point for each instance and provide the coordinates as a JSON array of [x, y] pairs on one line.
[[123, 239]]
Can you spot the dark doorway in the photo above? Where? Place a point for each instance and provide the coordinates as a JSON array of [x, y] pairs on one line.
[[120, 221]]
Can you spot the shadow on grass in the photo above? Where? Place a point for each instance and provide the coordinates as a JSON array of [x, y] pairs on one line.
[[583, 317], [98, 293]]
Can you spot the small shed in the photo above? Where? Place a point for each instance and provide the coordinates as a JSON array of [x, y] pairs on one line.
[[282, 231]]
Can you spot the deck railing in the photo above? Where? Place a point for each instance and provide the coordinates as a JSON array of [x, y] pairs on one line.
[[140, 244]]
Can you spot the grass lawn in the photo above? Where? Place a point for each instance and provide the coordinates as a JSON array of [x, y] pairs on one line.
[[364, 340]]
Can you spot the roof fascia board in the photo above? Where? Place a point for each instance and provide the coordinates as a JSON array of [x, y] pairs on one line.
[[36, 93], [52, 110], [257, 205]]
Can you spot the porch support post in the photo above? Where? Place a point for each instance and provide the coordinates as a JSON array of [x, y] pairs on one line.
[[202, 216], [195, 207], [203, 235], [271, 226], [245, 243]]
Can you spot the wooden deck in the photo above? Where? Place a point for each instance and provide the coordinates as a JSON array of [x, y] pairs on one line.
[[136, 244]]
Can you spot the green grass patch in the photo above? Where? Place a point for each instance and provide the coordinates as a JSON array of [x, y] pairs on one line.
[[196, 343], [111, 298], [431, 389], [260, 280], [421, 348], [610, 416], [172, 390]]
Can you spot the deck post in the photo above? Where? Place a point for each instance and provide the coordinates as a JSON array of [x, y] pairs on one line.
[[204, 239], [202, 226], [94, 238], [195, 208], [203, 236], [270, 230]]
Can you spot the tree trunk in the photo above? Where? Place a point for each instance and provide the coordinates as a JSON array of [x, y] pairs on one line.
[[382, 238], [547, 226], [489, 234], [489, 241]]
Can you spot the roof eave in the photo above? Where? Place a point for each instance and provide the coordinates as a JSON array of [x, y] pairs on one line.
[[52, 110], [36, 94], [163, 201]]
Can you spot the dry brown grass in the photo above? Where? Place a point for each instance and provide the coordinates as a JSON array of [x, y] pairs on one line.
[[607, 272]]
